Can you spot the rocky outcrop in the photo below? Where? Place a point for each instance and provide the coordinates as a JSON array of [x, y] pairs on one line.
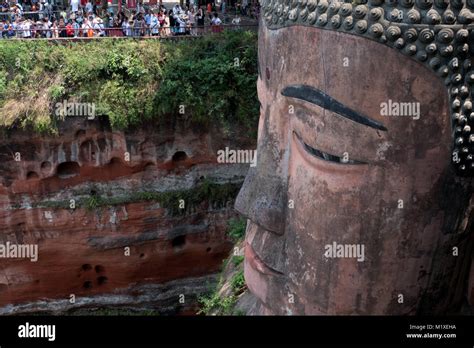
[[134, 218]]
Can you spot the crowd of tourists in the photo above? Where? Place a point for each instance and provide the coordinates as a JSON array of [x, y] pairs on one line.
[[88, 21]]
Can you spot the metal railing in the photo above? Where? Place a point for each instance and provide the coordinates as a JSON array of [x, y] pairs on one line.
[[117, 32]]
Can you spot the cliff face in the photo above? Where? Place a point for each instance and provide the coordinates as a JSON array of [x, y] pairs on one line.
[[134, 219]]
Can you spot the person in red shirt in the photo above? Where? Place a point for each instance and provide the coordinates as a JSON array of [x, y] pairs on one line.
[[69, 29], [209, 10]]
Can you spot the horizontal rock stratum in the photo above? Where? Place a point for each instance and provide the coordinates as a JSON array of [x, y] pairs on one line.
[[121, 219]]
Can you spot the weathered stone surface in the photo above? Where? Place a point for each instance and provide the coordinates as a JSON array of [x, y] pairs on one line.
[[81, 250], [436, 35], [397, 195]]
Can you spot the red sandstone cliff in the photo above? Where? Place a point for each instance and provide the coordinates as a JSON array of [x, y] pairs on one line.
[[173, 255]]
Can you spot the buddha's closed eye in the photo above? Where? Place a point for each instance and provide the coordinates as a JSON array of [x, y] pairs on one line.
[[325, 156], [317, 97]]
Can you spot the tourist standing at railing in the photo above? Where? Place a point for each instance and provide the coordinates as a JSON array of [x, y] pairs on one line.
[[54, 30], [245, 5], [62, 28], [89, 7], [74, 6], [154, 24], [180, 20], [177, 10], [17, 27], [209, 10], [76, 27], [87, 27], [147, 19], [69, 29], [171, 22], [11, 30], [34, 10], [216, 24], [4, 29], [80, 20], [126, 27], [163, 23], [192, 21], [16, 12], [200, 20], [45, 26], [47, 9], [98, 24], [26, 26], [4, 6], [139, 25]]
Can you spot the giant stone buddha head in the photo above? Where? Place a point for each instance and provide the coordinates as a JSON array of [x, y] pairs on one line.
[[361, 201]]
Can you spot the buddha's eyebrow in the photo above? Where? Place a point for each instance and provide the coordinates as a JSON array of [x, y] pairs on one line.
[[315, 96]]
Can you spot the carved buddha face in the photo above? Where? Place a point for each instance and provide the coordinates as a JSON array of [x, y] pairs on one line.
[[345, 206]]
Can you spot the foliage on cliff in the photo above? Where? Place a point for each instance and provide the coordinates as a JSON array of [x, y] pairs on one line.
[[222, 300], [205, 80]]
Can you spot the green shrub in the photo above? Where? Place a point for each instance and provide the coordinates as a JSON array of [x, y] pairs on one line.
[[133, 81], [236, 228], [56, 92], [238, 282], [237, 260]]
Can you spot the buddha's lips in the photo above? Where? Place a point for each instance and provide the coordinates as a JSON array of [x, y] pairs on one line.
[[257, 264]]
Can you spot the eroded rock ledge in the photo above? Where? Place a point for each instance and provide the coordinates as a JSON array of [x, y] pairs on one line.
[[105, 209]]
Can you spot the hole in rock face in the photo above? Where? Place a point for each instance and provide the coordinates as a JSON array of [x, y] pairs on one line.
[[208, 250], [46, 167], [87, 284], [178, 241], [179, 156], [68, 170], [142, 256], [115, 161], [32, 175], [86, 267], [102, 280], [99, 269]]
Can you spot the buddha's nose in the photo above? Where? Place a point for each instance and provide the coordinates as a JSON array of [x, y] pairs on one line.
[[262, 200]]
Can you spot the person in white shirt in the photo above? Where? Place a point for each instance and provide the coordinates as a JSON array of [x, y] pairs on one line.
[[192, 21], [26, 29], [182, 25], [98, 25], [54, 31], [74, 6], [46, 26], [176, 10], [89, 7], [17, 26], [127, 27], [216, 20], [154, 24]]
